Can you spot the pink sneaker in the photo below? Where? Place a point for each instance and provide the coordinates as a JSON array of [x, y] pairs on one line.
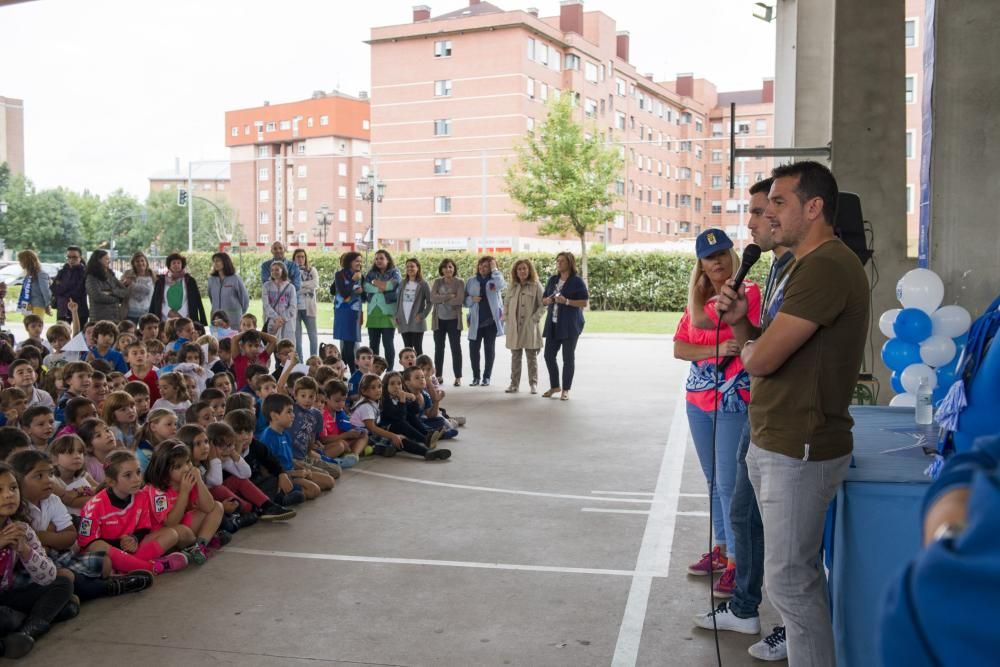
[[726, 584], [710, 563], [170, 562]]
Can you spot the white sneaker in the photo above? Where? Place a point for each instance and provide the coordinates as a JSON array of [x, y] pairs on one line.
[[727, 620], [771, 648]]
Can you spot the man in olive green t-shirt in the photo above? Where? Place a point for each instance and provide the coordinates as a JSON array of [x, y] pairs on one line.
[[803, 368]]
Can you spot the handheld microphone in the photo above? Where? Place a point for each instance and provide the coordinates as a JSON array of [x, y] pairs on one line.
[[750, 256]]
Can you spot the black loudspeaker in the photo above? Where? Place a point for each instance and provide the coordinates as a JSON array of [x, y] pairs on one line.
[[849, 225]]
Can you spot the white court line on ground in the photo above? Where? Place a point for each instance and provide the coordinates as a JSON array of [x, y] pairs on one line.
[[657, 538], [693, 495], [443, 563], [611, 510], [490, 489], [695, 513], [622, 493]]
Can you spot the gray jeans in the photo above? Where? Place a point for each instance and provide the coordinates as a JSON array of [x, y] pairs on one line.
[[515, 366], [793, 496]]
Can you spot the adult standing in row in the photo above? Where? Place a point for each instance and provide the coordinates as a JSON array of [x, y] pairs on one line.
[[306, 311], [448, 295], [566, 296], [226, 291], [106, 293], [280, 302], [139, 280], [380, 286], [524, 309], [483, 297], [348, 296], [70, 285], [176, 294], [278, 255], [413, 306], [35, 295]]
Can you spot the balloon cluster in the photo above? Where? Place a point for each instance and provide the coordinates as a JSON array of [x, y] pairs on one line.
[[925, 340]]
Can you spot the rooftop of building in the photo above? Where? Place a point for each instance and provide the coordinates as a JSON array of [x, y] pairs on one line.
[[215, 171]]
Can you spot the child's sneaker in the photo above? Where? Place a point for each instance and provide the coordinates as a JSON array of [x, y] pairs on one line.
[[326, 464], [385, 450], [293, 497], [437, 455], [196, 554], [432, 439], [346, 461], [710, 563], [272, 511], [459, 421], [726, 584], [223, 538], [171, 562]]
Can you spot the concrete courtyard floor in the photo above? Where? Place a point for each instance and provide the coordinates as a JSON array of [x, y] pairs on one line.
[[558, 534]]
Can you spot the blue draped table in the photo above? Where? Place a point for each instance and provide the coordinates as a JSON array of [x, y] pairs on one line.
[[874, 527]]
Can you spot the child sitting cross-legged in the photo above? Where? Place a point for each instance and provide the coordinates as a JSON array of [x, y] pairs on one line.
[[116, 521], [229, 474], [426, 364], [399, 418], [368, 414], [307, 426], [206, 460], [179, 499], [279, 411], [340, 438], [423, 412], [266, 471]]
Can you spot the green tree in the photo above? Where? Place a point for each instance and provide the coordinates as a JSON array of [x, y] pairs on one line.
[[87, 206], [43, 221], [563, 176], [168, 223]]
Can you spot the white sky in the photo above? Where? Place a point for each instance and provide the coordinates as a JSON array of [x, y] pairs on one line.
[[114, 89]]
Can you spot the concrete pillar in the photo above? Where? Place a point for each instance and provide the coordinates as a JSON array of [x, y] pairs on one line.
[[965, 163], [869, 142], [803, 93]]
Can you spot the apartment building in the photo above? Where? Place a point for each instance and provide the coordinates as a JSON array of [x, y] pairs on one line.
[[289, 160], [12, 133], [914, 91], [208, 179]]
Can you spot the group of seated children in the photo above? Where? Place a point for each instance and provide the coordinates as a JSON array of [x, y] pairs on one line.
[[148, 452]]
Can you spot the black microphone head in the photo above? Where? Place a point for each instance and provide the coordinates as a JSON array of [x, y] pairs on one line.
[[751, 254]]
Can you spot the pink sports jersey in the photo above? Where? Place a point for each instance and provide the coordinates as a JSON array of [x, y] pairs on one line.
[[101, 520], [162, 500]]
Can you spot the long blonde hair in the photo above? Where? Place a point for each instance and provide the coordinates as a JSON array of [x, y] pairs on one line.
[[698, 287]]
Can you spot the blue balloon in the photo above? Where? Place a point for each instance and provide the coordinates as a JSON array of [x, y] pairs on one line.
[[898, 354], [897, 383], [939, 394], [946, 375], [912, 325]]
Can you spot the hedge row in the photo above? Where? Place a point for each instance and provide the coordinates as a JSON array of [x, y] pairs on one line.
[[655, 281]]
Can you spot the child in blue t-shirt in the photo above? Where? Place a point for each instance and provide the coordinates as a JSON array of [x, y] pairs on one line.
[[279, 412], [363, 360], [105, 335]]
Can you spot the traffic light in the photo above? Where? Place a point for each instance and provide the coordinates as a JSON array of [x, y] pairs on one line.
[[182, 197]]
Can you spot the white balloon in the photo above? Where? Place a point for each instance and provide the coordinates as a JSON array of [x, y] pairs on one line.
[[887, 320], [950, 321], [903, 401], [937, 350], [914, 373], [920, 288]]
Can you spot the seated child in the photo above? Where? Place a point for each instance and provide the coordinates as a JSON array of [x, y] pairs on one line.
[[426, 364], [217, 401], [247, 350], [340, 438], [141, 369], [13, 440], [119, 412], [224, 382], [235, 473], [72, 483], [139, 392], [116, 381], [213, 362], [205, 458], [306, 428], [200, 413], [149, 327], [99, 441], [76, 376], [105, 334], [58, 335], [40, 425], [98, 388], [161, 425], [368, 414], [183, 332], [379, 365], [13, 403], [423, 412], [407, 358], [265, 470], [78, 410], [363, 359], [280, 413], [173, 395], [20, 374], [33, 325]]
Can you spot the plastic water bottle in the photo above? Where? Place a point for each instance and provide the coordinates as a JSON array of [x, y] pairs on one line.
[[925, 404]]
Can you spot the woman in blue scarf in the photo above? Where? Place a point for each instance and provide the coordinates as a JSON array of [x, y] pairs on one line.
[[380, 286], [35, 295], [485, 303]]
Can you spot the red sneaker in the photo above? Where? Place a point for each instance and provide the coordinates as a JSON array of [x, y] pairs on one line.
[[726, 584], [710, 563]]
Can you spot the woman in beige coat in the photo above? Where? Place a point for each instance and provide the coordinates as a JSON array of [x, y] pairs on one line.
[[523, 310]]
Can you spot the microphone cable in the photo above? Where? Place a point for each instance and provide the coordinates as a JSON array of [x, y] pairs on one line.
[[711, 493]]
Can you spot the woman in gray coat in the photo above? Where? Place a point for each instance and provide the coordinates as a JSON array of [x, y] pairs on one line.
[[226, 290], [104, 291], [413, 305]]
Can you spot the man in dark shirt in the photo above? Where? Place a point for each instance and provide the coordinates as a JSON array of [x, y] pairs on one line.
[[804, 368], [69, 284]]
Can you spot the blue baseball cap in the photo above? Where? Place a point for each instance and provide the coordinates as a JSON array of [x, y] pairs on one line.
[[710, 242]]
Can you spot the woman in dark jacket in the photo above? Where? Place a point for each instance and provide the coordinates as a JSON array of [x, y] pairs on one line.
[[106, 294], [566, 296], [348, 295], [176, 293], [70, 284]]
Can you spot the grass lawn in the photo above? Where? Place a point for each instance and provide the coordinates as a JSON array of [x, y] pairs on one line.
[[598, 321]]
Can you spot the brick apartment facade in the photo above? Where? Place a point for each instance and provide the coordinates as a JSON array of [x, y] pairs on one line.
[[12, 133], [288, 160], [452, 94]]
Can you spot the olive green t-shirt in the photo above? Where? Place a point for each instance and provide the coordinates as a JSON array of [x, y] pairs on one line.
[[801, 409]]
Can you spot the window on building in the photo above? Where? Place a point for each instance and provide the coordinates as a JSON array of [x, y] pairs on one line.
[[442, 88], [909, 198], [717, 182], [685, 201], [590, 108], [309, 121], [620, 187], [341, 169], [442, 127], [742, 128], [300, 148], [531, 88], [531, 124], [684, 174], [716, 155], [716, 208], [359, 215], [263, 174], [911, 89], [269, 127], [263, 151], [342, 191], [235, 131], [221, 186], [265, 238], [342, 215], [685, 118], [619, 120], [683, 227], [442, 204], [303, 194], [697, 178], [364, 171], [911, 33], [442, 49], [366, 124], [910, 151], [442, 165], [684, 146], [246, 130], [264, 195], [302, 171], [543, 91], [264, 218], [590, 71], [571, 62], [324, 120], [760, 126], [699, 126], [698, 151], [697, 204], [285, 125]]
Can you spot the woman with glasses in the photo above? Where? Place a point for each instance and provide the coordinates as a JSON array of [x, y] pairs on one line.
[[70, 284]]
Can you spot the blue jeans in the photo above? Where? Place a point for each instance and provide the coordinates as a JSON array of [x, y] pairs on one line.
[[729, 427], [748, 538], [310, 323]]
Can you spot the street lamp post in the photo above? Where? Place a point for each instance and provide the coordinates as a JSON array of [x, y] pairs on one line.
[[371, 189], [323, 220]]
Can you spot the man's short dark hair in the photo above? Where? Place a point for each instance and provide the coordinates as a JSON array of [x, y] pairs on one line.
[[74, 248], [761, 186], [106, 328], [364, 349], [815, 180], [275, 403], [147, 319], [242, 421]]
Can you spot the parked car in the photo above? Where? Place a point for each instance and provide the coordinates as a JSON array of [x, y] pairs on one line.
[[13, 274]]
